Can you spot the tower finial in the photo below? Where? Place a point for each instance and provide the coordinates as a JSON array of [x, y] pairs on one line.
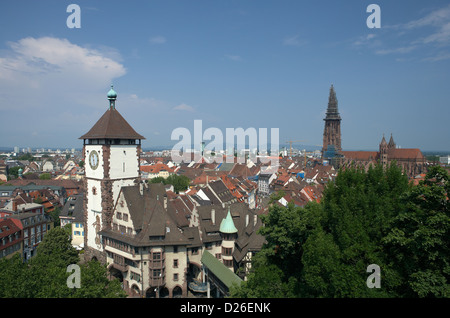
[[112, 96]]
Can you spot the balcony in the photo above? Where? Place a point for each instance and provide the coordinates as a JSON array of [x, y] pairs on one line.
[[158, 280]]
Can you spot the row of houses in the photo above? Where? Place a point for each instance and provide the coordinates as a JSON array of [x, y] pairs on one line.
[[22, 228], [157, 240], [58, 168]]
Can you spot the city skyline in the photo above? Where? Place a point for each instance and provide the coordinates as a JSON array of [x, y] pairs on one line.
[[240, 64]]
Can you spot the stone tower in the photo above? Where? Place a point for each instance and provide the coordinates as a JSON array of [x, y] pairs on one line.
[[111, 151], [332, 130]]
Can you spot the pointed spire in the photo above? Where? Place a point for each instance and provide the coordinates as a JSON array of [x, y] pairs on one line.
[[227, 224], [391, 144], [332, 110], [383, 141]]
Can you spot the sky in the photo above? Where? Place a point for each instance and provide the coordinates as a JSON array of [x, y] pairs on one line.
[[236, 63]]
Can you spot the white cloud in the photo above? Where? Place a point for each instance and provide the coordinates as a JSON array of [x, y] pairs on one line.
[[293, 41], [368, 40], [158, 40], [54, 69], [235, 58], [399, 50], [434, 18], [438, 57], [184, 107], [436, 27], [46, 84]]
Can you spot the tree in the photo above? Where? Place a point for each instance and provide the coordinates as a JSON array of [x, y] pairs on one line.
[[323, 250], [13, 277], [13, 172], [180, 183], [45, 275], [419, 239], [45, 176], [95, 283]]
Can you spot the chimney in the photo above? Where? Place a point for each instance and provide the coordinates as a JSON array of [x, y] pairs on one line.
[[247, 217], [255, 218], [213, 216], [165, 201]]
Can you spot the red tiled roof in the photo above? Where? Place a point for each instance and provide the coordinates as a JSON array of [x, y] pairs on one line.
[[360, 155], [405, 153], [112, 126]]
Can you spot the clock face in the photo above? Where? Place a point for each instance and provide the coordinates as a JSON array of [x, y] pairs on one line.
[[93, 159]]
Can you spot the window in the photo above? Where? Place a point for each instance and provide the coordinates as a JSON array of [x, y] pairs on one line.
[[135, 276], [119, 216], [228, 263], [227, 251], [156, 256], [175, 277], [156, 273], [175, 249], [175, 263], [125, 217]]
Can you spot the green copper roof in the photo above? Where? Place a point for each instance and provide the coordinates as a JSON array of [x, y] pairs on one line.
[[224, 274], [227, 224], [112, 93]]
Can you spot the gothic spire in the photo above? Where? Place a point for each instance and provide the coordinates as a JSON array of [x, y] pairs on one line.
[[332, 110], [391, 144]]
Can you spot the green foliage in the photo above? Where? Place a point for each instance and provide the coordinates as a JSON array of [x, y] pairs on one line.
[[45, 176], [45, 275], [419, 240], [13, 172], [180, 183], [373, 217], [27, 156], [55, 216]]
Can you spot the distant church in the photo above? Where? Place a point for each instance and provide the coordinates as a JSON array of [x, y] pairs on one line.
[[411, 160]]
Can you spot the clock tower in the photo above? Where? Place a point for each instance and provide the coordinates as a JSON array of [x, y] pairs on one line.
[[111, 152]]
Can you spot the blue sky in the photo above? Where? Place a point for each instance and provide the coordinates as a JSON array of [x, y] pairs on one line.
[[262, 64]]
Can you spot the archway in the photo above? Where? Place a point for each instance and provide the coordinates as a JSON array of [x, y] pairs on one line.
[[115, 273], [164, 293], [151, 292], [134, 290], [177, 292]]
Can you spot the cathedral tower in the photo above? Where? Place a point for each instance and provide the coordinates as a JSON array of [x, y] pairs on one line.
[[111, 151], [332, 130]]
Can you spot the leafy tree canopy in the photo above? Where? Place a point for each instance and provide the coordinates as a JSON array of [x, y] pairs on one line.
[[365, 217]]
